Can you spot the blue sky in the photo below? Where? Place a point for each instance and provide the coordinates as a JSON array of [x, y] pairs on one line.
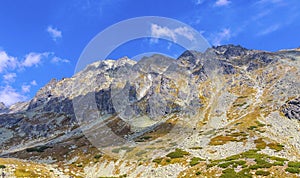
[[40, 40]]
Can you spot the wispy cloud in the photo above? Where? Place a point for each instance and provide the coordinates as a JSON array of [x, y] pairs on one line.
[[158, 31], [223, 35], [222, 2], [199, 2], [7, 62], [10, 96], [56, 60], [54, 33], [269, 30], [26, 88], [33, 83], [10, 67], [33, 59], [9, 77]]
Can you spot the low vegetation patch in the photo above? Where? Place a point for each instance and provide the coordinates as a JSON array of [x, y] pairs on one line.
[[294, 164], [195, 161], [178, 153], [293, 170], [260, 144], [157, 160], [262, 173], [276, 146], [221, 140]]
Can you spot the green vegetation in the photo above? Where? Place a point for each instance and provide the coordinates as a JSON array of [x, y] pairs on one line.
[[157, 160], [278, 159], [38, 149], [195, 161], [221, 140], [278, 163], [232, 163], [294, 164], [98, 156], [275, 146], [260, 163], [140, 153], [178, 153], [198, 173], [126, 148], [252, 127], [262, 173], [240, 104], [2, 166], [233, 157], [196, 148], [230, 173], [293, 170], [260, 144]]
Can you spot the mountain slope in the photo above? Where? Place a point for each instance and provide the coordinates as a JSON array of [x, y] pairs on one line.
[[227, 111]]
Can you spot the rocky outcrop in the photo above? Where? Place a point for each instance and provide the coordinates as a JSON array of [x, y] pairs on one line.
[[292, 109]]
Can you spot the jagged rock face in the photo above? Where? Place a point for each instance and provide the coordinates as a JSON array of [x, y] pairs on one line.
[[155, 86], [3, 108], [292, 109]]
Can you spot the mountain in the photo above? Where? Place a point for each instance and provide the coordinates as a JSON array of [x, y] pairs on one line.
[[229, 111]]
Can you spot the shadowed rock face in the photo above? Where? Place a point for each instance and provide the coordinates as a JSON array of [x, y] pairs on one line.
[[3, 108], [292, 109]]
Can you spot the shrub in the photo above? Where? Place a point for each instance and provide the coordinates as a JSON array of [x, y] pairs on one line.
[[157, 160], [2, 166], [198, 173], [97, 156], [278, 163], [252, 127], [178, 153], [195, 161], [275, 146], [233, 157], [228, 173], [240, 162], [294, 164], [260, 144], [292, 170], [196, 148], [262, 173], [225, 165]]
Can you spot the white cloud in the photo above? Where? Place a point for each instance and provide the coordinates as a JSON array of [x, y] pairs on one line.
[[9, 96], [225, 34], [54, 33], [57, 60], [33, 83], [25, 88], [222, 2], [268, 30], [172, 34], [7, 62], [33, 59], [10, 77], [184, 31]]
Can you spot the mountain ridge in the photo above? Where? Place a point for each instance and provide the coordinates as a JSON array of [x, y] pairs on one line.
[[227, 100]]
